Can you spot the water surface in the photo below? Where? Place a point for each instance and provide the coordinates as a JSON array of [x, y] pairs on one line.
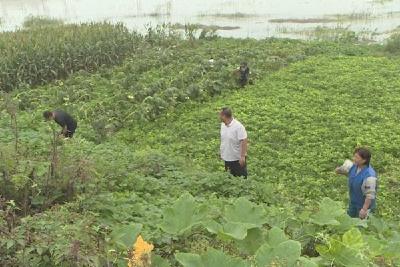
[[253, 18]]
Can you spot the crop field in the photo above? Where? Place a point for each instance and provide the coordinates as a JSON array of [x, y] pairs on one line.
[[141, 183]]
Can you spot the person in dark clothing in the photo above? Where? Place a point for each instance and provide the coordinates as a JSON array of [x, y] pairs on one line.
[[244, 73], [63, 119]]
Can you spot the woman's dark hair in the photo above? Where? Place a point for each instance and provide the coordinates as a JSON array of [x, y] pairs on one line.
[[364, 153], [47, 114], [227, 112]]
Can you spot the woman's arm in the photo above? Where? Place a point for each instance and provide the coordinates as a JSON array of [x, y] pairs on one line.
[[369, 190], [345, 168]]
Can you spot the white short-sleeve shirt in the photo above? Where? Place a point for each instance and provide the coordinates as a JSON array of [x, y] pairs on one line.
[[231, 136]]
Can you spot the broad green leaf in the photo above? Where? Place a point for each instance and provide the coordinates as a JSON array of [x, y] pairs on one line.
[[376, 247], [353, 239], [213, 226], [229, 229], [158, 261], [278, 217], [235, 230], [285, 254], [275, 236], [240, 216], [340, 254], [305, 262], [377, 224], [254, 240], [328, 213], [346, 251], [125, 235], [216, 258], [189, 259], [212, 258], [182, 215], [346, 223], [393, 248], [245, 212]]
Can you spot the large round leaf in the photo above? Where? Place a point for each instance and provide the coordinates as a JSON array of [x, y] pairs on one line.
[[345, 251], [233, 230], [328, 213], [125, 235], [275, 237], [182, 215], [212, 258], [253, 241], [285, 254], [245, 212]]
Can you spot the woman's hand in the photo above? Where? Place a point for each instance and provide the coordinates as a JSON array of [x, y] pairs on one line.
[[339, 170], [363, 214]]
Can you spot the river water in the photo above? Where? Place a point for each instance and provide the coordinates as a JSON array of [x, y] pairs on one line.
[[250, 18]]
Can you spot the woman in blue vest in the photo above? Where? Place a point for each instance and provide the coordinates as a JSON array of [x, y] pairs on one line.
[[362, 183]]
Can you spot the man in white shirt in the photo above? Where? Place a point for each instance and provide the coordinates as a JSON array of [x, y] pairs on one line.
[[233, 144]]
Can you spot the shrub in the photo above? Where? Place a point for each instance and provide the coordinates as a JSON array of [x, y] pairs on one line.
[[393, 44]]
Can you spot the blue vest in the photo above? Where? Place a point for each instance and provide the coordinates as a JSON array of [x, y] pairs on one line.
[[357, 197]]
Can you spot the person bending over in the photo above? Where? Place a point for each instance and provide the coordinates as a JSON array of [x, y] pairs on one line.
[[244, 73], [63, 119]]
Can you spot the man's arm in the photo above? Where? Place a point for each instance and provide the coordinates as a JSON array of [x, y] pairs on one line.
[[243, 152]]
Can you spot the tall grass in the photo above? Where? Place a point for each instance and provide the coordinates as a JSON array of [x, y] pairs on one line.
[[43, 54]]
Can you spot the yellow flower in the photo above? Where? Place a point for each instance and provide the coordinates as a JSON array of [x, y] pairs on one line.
[[141, 253]]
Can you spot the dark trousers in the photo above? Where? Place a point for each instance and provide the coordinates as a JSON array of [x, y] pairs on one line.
[[235, 169], [69, 133]]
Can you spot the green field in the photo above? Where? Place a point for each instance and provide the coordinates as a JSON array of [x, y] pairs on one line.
[[145, 158]]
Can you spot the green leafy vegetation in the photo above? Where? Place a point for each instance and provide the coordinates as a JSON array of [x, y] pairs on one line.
[[144, 160], [338, 34]]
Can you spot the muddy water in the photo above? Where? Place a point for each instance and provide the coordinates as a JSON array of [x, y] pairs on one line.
[[250, 18]]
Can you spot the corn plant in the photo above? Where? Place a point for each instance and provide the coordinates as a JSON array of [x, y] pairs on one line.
[[41, 54]]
